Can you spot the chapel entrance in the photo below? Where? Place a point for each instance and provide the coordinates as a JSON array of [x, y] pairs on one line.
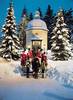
[[36, 44]]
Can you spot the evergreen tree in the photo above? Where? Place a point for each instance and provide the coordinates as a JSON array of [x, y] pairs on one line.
[[10, 44], [60, 39], [49, 19], [1, 38], [31, 16], [21, 28], [68, 16], [41, 15], [24, 12]]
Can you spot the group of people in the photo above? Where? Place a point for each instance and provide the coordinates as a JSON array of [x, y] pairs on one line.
[[36, 60]]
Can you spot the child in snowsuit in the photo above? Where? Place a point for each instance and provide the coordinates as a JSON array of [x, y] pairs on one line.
[[43, 68], [43, 63], [27, 67]]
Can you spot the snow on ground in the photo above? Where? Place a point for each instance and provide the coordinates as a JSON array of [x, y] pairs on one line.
[[62, 66], [33, 89], [57, 86], [62, 71], [9, 69]]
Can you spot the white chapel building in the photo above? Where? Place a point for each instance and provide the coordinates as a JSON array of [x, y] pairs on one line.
[[37, 33]]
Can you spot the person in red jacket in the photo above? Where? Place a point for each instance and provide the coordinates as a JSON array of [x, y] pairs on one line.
[[23, 58], [29, 54], [38, 53], [44, 57]]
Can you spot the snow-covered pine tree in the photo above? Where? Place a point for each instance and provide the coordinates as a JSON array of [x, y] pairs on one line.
[[10, 44], [60, 40], [31, 16], [21, 28], [41, 15], [50, 20], [68, 16]]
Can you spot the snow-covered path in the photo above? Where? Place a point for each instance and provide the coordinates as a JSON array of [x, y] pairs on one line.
[[33, 89]]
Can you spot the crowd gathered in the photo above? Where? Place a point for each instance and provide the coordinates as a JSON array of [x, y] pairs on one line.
[[35, 60]]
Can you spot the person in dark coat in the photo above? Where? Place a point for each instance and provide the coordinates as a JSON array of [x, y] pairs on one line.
[[35, 66]]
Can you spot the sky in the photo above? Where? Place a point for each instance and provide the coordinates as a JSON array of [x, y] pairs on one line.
[[32, 6]]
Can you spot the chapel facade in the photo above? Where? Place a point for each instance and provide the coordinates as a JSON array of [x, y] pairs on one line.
[[37, 33]]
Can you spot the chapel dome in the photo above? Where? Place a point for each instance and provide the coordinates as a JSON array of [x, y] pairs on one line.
[[37, 23]]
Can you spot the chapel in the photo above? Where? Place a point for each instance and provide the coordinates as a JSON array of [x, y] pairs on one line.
[[37, 33]]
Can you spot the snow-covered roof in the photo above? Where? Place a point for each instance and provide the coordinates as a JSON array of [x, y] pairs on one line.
[[37, 24]]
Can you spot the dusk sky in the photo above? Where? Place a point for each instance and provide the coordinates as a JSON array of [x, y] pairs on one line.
[[31, 6]]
